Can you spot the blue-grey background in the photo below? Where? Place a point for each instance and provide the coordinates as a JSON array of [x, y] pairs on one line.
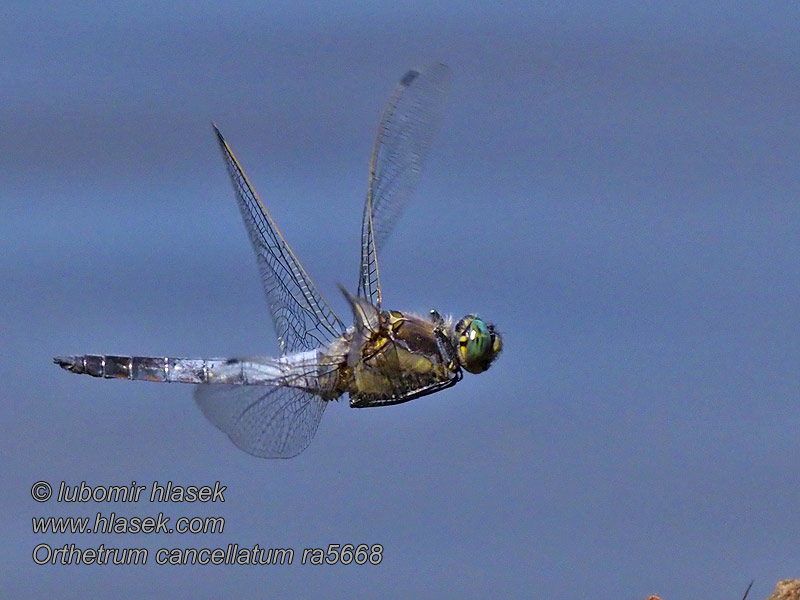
[[616, 186]]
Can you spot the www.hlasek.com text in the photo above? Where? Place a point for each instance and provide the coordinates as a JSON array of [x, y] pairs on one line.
[[113, 523]]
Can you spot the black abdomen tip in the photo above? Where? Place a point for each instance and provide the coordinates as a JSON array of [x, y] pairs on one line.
[[68, 363]]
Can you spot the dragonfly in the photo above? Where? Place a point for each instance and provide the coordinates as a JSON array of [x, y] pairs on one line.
[[271, 407]]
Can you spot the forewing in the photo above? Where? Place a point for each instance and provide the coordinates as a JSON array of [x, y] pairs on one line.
[[401, 145], [265, 421], [302, 318]]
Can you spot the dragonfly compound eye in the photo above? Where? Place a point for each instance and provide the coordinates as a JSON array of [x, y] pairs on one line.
[[478, 344]]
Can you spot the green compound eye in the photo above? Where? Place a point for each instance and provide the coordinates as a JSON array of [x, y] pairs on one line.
[[478, 341], [478, 344]]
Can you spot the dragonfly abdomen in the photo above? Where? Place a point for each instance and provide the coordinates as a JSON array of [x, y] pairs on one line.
[[145, 368], [300, 370], [164, 369]]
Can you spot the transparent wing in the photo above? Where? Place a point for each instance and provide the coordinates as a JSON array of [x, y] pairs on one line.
[[302, 318], [401, 145], [270, 422]]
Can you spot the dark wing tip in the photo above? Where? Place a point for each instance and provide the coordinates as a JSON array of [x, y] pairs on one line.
[[409, 77], [217, 131]]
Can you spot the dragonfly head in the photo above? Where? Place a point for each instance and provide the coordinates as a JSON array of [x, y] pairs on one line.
[[477, 342]]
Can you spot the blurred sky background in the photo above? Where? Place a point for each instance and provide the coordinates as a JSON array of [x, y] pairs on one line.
[[615, 185]]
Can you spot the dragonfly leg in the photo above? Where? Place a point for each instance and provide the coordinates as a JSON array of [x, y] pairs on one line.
[[443, 342]]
